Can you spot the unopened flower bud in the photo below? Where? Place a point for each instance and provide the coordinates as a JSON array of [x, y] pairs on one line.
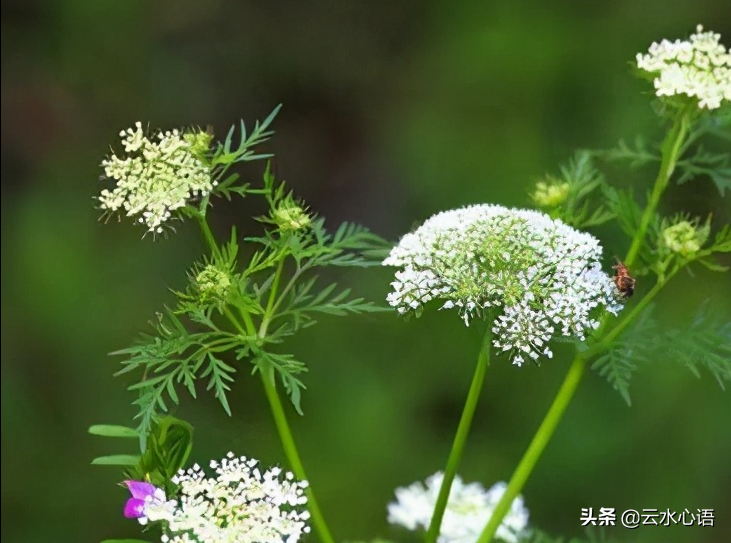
[[213, 283], [684, 238], [291, 218], [551, 194], [200, 142]]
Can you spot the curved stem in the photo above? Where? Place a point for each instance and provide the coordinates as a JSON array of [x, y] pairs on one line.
[[533, 453], [280, 418], [290, 449], [460, 438], [672, 148]]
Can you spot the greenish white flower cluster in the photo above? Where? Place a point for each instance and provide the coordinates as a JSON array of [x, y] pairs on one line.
[[469, 508], [241, 505], [155, 178], [536, 276], [699, 68]]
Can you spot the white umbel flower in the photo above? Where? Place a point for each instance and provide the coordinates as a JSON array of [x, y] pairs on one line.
[[242, 504], [469, 508], [537, 276], [155, 178], [699, 68]]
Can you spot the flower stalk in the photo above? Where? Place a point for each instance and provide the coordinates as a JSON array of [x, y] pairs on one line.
[[536, 447], [463, 430], [290, 450], [671, 152]]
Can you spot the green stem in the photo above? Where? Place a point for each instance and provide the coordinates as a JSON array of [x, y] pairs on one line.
[[290, 449], [280, 418], [671, 150], [268, 312], [533, 453], [207, 234], [460, 438]]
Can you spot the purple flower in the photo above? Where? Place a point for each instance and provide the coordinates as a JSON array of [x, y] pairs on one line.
[[142, 494]]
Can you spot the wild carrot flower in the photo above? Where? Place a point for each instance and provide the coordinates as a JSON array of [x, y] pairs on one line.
[[469, 508], [533, 276], [699, 68], [242, 504], [155, 177]]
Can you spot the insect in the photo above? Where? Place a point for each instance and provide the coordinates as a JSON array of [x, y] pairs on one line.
[[624, 282]]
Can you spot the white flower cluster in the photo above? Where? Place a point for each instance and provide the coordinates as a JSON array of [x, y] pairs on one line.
[[536, 275], [155, 178], [699, 68], [469, 508], [241, 505]]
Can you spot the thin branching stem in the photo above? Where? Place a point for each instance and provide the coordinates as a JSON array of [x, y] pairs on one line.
[[268, 379]]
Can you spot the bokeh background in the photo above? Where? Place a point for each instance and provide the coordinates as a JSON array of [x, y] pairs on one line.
[[392, 112]]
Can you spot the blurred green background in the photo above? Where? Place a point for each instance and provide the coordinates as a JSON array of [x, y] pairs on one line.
[[392, 112]]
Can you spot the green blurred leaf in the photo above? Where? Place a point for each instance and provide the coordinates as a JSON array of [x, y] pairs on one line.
[[117, 460], [113, 430]]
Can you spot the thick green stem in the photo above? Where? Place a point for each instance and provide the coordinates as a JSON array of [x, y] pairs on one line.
[[460, 438], [539, 442], [290, 449], [280, 418]]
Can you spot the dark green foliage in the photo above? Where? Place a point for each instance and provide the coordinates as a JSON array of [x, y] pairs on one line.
[[705, 344], [716, 165]]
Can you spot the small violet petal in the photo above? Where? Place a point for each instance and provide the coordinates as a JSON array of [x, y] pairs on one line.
[[140, 489], [134, 508]]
